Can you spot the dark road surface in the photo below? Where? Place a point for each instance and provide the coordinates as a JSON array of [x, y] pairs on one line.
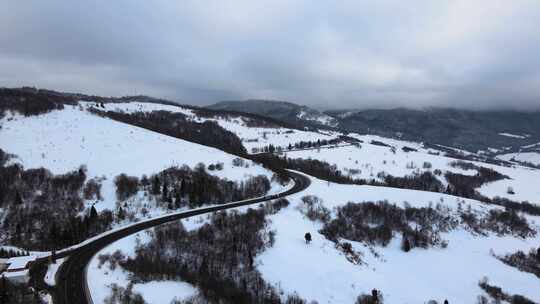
[[71, 286]]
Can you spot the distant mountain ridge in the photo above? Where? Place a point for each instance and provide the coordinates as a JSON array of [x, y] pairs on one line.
[[495, 131], [282, 110]]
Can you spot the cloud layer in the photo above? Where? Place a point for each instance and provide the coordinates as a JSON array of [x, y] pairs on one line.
[[377, 54]]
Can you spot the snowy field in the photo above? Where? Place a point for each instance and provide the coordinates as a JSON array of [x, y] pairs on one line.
[[369, 160], [320, 272], [252, 137], [62, 141], [529, 157]]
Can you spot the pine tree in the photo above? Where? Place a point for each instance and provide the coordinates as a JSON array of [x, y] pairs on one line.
[[165, 192], [121, 215], [93, 213], [155, 186]]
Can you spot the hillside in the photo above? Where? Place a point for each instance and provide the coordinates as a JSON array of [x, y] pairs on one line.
[[382, 213], [255, 133], [492, 131], [281, 110]]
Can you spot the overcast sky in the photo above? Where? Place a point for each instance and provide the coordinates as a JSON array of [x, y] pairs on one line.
[[333, 54]]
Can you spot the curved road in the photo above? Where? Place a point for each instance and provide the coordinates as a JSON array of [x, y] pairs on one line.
[[71, 286]]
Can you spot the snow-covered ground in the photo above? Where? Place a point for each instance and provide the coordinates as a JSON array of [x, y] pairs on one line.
[[529, 157], [51, 272], [63, 140], [101, 278], [369, 160], [320, 272], [318, 117], [252, 137]]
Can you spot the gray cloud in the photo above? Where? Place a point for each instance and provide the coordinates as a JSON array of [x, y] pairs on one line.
[[471, 54]]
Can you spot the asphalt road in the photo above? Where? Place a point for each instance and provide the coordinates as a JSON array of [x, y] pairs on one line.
[[71, 286]]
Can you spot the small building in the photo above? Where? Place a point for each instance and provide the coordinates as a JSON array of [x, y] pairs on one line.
[[16, 269]]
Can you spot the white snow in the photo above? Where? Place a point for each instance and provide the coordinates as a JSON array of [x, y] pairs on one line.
[[51, 272], [514, 135], [63, 140], [132, 107], [319, 117], [159, 292], [366, 162], [320, 272], [369, 160], [530, 157], [252, 137]]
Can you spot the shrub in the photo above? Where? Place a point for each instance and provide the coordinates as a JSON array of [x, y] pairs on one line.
[[126, 186]]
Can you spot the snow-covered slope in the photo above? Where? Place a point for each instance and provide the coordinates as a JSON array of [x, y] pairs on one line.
[[371, 159], [320, 272], [528, 157], [63, 140], [252, 137]]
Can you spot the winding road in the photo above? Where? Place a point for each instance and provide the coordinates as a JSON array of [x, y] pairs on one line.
[[71, 285]]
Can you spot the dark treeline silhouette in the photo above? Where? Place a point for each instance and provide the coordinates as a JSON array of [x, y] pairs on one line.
[[465, 185], [9, 253], [29, 101], [425, 181], [207, 133]]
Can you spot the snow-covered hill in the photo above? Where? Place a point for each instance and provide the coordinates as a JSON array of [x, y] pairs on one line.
[[321, 272], [373, 161], [414, 277], [253, 137], [527, 157], [65, 139]]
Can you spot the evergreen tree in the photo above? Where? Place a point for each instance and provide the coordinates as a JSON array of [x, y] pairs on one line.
[[93, 213], [165, 192], [156, 186], [121, 214]]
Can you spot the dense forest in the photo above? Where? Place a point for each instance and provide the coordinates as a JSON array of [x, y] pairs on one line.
[[29, 101]]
